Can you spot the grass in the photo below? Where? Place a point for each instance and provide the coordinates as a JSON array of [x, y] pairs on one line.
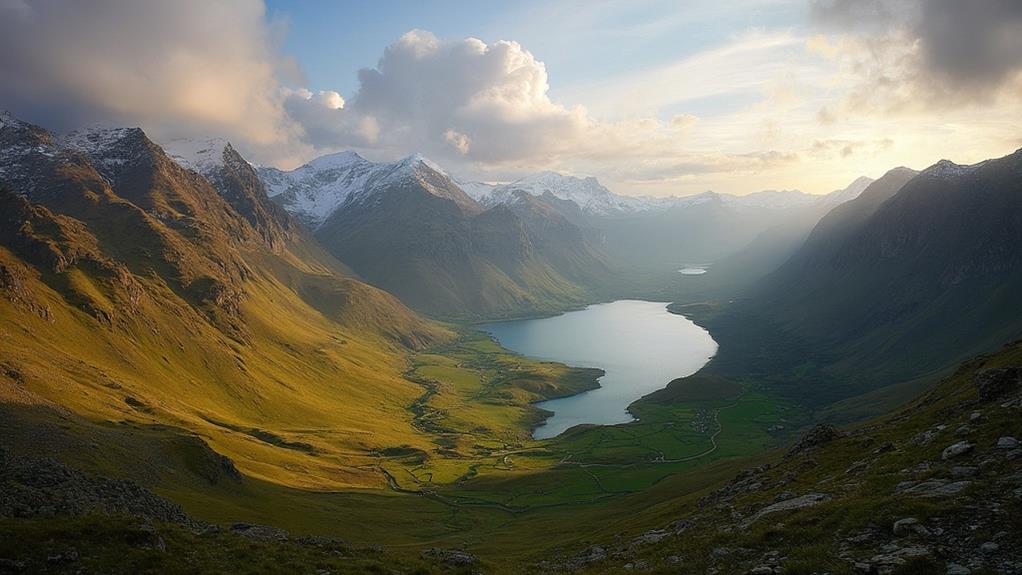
[[121, 546]]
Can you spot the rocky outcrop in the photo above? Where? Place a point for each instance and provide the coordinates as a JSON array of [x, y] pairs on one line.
[[998, 382], [47, 488], [820, 434], [452, 557]]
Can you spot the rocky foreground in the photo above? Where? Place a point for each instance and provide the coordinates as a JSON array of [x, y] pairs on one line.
[[935, 488]]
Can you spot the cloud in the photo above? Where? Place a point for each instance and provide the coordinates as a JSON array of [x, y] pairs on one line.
[[460, 99], [934, 54], [874, 83], [177, 68], [324, 121], [825, 149], [683, 122]]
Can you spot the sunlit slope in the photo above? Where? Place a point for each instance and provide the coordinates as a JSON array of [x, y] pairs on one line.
[[136, 292]]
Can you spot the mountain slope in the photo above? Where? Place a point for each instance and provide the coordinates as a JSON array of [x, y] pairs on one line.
[[130, 289], [410, 229], [934, 487], [921, 270]]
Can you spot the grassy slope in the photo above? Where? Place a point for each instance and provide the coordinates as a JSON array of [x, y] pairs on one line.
[[861, 480]]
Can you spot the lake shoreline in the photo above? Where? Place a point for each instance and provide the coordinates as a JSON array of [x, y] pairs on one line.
[[640, 345]]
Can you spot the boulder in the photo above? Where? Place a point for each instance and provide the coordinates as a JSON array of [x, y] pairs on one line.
[[794, 503], [998, 382], [956, 449], [908, 526], [1007, 443]]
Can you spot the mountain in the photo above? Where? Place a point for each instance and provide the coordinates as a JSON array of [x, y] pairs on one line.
[[734, 274], [134, 290], [410, 229], [850, 192], [594, 199], [917, 273], [659, 234], [238, 183], [587, 193]]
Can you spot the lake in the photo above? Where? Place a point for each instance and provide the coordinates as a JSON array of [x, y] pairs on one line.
[[640, 345]]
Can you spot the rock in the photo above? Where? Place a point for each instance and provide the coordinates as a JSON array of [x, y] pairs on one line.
[[680, 526], [857, 467], [818, 435], [926, 437], [1007, 443], [963, 471], [956, 569], [963, 430], [807, 500], [207, 530], [975, 416], [931, 488], [783, 496], [989, 547], [453, 557], [997, 382], [721, 551], [11, 566], [884, 448], [147, 537], [895, 556], [46, 487], [908, 526], [653, 536], [762, 570], [261, 532], [955, 450], [321, 541]]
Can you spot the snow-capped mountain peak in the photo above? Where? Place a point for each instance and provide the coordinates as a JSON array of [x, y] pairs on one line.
[[200, 155], [315, 190], [586, 192]]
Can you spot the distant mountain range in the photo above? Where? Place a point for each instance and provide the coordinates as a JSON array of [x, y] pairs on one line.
[[548, 241], [593, 199]]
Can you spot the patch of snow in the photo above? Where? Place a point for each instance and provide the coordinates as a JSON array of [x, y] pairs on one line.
[[587, 193], [478, 191], [948, 170], [107, 148], [203, 156]]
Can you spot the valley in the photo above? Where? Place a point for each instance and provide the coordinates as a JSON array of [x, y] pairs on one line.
[[329, 358]]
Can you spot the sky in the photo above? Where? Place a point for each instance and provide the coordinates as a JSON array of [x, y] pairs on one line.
[[651, 97]]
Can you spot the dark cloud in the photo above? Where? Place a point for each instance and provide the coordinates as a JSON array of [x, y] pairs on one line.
[[959, 49], [180, 68]]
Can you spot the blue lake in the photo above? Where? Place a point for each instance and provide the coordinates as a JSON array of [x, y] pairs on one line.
[[639, 344]]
